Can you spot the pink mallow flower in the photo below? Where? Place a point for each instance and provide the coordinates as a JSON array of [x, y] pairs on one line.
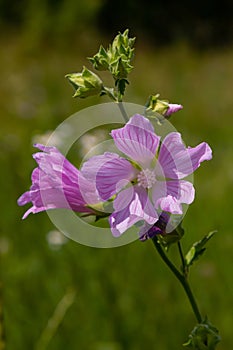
[[150, 180], [172, 108], [56, 183]]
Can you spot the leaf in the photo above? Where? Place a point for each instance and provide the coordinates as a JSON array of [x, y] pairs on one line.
[[204, 336], [197, 249]]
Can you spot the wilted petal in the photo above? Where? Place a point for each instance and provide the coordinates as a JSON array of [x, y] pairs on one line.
[[159, 228], [137, 140], [53, 163], [177, 161], [24, 198], [56, 183]]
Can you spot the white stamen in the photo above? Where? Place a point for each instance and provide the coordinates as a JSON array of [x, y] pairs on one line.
[[146, 178]]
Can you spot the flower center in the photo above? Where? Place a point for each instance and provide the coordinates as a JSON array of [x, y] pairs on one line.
[[146, 178]]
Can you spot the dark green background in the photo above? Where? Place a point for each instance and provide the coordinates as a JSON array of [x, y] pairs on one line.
[[125, 297]]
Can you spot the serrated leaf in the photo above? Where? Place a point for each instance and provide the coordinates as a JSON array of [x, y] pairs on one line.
[[197, 249]]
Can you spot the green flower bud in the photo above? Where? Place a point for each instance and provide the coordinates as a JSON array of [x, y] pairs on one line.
[[120, 68], [85, 83], [156, 107], [123, 45], [117, 58]]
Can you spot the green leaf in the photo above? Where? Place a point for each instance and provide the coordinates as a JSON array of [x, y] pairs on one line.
[[204, 336], [197, 249]]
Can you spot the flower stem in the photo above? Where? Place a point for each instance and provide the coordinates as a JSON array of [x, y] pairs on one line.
[[123, 111], [184, 267], [181, 277]]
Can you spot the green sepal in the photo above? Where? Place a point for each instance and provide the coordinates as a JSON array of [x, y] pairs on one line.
[[85, 83], [197, 249], [172, 237], [120, 68], [204, 336], [100, 61], [154, 105], [122, 46]]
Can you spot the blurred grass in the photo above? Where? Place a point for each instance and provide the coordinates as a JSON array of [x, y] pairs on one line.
[[125, 297]]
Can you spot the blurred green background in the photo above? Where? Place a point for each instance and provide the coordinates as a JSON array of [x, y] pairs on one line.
[[56, 293]]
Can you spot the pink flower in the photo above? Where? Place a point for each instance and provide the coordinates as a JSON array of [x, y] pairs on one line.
[[172, 108], [150, 180], [56, 183]]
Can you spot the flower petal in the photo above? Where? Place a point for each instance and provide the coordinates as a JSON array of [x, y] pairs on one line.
[[137, 140], [170, 204], [173, 108], [182, 190], [56, 183], [177, 161], [53, 163], [135, 209], [110, 172], [159, 228]]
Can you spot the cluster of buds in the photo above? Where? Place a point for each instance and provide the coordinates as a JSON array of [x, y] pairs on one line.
[[116, 59]]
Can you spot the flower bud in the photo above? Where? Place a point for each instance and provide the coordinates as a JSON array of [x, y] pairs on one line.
[[100, 61], [163, 107], [172, 108], [117, 58], [85, 83]]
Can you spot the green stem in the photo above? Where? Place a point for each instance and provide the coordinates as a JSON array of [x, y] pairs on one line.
[[184, 267], [118, 100], [181, 278], [123, 111]]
